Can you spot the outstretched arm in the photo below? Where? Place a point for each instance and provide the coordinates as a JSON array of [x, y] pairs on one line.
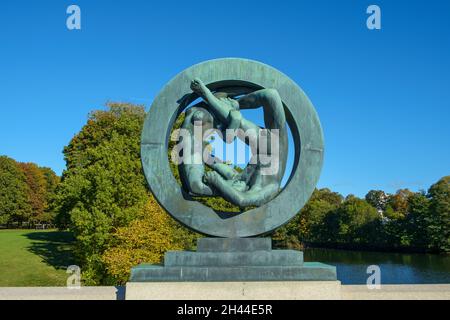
[[220, 109]]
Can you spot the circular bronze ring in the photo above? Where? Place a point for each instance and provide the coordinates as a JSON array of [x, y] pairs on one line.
[[303, 122]]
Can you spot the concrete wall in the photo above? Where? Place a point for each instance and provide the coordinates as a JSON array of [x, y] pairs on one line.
[[232, 291], [398, 292]]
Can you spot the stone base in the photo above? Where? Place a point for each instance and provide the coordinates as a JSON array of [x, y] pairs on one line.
[[234, 260], [278, 290], [312, 271]]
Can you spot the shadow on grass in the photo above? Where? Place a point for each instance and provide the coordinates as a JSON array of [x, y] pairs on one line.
[[54, 247]]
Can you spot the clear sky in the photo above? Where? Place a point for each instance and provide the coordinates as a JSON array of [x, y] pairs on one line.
[[383, 96]]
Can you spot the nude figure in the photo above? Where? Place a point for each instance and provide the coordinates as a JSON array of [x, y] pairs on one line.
[[253, 186]]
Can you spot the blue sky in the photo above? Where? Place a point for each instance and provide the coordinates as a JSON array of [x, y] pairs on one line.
[[383, 97]]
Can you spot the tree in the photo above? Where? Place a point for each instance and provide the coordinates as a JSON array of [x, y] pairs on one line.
[[439, 216], [333, 198], [103, 188], [313, 216], [397, 205], [416, 222], [14, 203], [51, 184], [37, 189], [406, 224], [355, 222], [378, 199], [309, 226], [313, 221], [288, 236]]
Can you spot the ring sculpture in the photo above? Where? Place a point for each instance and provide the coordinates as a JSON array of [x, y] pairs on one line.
[[212, 94]]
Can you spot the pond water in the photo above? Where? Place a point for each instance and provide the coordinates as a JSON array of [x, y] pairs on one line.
[[396, 268]]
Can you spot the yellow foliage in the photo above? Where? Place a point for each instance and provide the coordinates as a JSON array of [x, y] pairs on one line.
[[144, 241]]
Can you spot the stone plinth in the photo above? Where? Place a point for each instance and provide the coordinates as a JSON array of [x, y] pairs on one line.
[[234, 260]]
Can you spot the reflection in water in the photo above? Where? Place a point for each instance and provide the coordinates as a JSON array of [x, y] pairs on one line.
[[396, 268]]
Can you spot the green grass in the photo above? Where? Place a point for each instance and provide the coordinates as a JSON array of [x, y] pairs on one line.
[[34, 257]]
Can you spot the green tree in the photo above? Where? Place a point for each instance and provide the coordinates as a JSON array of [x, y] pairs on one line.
[[439, 216], [103, 188], [310, 225], [416, 222], [51, 184], [355, 222], [333, 198], [288, 236], [14, 202], [313, 227]]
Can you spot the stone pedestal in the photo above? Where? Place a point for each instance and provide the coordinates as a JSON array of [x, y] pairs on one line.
[[233, 260]]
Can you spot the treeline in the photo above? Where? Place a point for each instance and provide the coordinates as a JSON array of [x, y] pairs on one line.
[[413, 221], [26, 193]]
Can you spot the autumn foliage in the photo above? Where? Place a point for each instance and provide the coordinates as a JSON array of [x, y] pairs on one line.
[[26, 193]]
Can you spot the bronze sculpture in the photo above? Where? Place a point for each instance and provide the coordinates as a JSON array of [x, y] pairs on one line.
[[231, 85]]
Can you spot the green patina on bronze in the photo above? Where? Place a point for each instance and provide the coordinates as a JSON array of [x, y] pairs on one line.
[[226, 86], [248, 80]]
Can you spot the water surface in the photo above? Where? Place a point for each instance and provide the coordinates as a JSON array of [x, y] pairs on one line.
[[396, 268]]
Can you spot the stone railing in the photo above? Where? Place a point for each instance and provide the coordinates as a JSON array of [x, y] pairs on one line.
[[307, 290]]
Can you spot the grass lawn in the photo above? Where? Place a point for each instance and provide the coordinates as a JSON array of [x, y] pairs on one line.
[[34, 257]]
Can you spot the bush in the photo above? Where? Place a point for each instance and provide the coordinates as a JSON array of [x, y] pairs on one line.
[[144, 241]]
